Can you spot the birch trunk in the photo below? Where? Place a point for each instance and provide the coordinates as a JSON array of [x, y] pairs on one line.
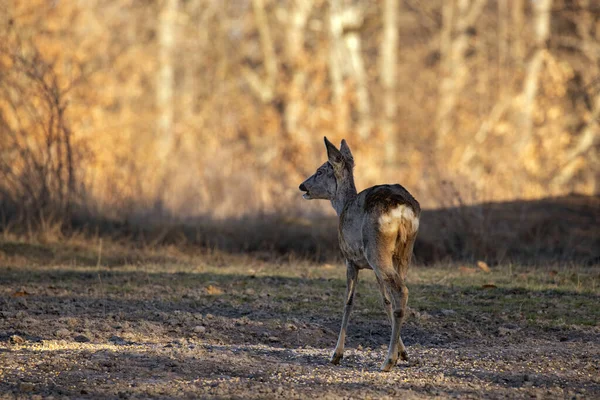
[[503, 39], [164, 86], [518, 22], [346, 61], [296, 56], [264, 88], [353, 23], [388, 72], [587, 143], [455, 69], [336, 60], [541, 9]]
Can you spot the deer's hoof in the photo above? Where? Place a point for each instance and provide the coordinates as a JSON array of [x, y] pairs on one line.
[[336, 358], [388, 365], [404, 355]]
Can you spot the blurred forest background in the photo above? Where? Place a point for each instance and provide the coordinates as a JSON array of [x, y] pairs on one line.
[[135, 111]]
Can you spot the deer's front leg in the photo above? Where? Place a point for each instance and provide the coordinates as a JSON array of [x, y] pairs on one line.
[[351, 279]]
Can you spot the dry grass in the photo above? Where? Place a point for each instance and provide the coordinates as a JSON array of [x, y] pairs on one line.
[[552, 230]]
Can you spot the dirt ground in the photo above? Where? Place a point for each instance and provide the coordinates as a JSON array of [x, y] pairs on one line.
[[79, 323]]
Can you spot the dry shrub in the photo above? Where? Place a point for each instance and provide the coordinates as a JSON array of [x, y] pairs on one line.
[[39, 158]]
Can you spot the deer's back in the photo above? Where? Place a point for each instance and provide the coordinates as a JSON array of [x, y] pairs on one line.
[[379, 214], [384, 198]]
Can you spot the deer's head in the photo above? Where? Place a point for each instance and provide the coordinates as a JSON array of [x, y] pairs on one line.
[[337, 170]]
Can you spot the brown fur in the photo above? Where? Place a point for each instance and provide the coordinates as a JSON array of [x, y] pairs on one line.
[[385, 197]]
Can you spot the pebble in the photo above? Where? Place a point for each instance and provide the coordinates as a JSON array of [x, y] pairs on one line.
[[16, 339], [63, 332], [26, 387], [81, 339], [117, 340], [22, 302], [505, 331], [200, 329]]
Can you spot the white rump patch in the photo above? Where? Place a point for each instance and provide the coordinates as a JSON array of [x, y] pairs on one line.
[[390, 220]]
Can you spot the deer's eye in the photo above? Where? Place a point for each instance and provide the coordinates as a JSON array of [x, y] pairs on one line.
[[319, 173]]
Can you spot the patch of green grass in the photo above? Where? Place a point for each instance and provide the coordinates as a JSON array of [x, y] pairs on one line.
[[553, 296], [545, 296], [556, 295]]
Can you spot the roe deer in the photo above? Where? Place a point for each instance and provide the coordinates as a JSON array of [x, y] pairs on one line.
[[377, 230]]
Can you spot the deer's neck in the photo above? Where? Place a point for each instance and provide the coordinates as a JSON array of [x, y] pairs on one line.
[[346, 192]]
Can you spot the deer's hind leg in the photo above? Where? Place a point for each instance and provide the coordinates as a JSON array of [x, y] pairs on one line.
[[387, 305], [401, 261], [401, 315], [385, 299], [379, 254], [398, 292]]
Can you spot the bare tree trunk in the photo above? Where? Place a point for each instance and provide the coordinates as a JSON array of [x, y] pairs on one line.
[[585, 23], [297, 24], [164, 86], [264, 88], [336, 62], [586, 149], [455, 70], [388, 72], [518, 21], [503, 38], [353, 20], [346, 61], [189, 89], [446, 32], [587, 142], [541, 17], [296, 56], [292, 99]]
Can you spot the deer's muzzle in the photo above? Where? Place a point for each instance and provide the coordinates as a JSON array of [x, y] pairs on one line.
[[306, 195]]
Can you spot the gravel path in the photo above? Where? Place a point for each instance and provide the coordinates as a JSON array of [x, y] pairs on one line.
[[195, 364], [69, 332]]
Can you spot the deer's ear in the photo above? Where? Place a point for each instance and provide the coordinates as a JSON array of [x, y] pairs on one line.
[[345, 150], [334, 156]]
